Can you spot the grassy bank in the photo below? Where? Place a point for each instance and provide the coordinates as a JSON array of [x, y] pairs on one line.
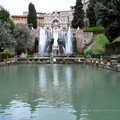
[[96, 46]]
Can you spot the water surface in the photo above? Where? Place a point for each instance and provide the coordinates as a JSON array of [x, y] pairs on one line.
[[59, 92]]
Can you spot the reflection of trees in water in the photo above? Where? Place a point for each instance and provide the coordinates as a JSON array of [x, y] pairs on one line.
[[93, 89], [80, 93], [19, 84]]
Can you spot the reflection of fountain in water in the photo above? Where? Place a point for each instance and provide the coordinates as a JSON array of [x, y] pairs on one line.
[[42, 41], [68, 76], [42, 77], [55, 77]]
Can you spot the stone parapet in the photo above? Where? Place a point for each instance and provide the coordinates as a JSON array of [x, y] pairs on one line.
[[104, 64]]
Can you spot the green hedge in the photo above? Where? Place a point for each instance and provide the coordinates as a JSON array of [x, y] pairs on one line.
[[5, 55], [30, 56], [79, 56], [94, 29]]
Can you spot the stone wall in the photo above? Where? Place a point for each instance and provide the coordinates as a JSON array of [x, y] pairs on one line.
[[82, 38]]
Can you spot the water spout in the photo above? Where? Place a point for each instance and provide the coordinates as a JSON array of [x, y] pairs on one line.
[[68, 42], [42, 41], [55, 36]]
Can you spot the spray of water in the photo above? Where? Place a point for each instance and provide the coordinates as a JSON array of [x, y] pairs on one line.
[[68, 42], [42, 41]]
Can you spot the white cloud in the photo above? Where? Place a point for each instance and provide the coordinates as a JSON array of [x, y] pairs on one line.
[[16, 7]]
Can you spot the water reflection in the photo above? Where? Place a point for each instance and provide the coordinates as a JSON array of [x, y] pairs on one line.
[[42, 77], [62, 92], [55, 76], [68, 76]]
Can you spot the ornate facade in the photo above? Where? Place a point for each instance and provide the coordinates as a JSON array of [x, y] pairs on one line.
[[56, 19], [56, 25]]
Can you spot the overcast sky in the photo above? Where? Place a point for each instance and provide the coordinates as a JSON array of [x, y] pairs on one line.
[[16, 7]]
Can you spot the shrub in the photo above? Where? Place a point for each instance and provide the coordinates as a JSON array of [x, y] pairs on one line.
[[6, 54], [94, 30], [106, 58], [118, 58], [113, 48], [30, 56], [79, 56], [11, 55]]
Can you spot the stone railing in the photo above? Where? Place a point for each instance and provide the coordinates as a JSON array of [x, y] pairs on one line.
[[104, 64]]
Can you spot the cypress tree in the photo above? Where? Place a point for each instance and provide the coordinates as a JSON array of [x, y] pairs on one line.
[[78, 15], [32, 18], [91, 13], [4, 15]]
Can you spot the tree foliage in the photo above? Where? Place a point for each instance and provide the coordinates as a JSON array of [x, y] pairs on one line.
[[90, 13], [32, 18], [5, 17], [23, 38], [78, 15], [6, 38], [108, 14]]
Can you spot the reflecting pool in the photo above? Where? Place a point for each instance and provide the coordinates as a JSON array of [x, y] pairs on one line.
[[59, 92]]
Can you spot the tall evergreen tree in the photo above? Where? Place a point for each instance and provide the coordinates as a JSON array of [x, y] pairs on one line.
[[91, 13], [5, 17], [109, 15], [78, 15], [32, 18]]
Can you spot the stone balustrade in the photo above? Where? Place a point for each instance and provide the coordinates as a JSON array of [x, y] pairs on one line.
[[100, 63], [104, 64]]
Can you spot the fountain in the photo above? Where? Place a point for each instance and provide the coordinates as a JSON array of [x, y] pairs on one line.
[[68, 43], [55, 36], [55, 41], [42, 41], [55, 49]]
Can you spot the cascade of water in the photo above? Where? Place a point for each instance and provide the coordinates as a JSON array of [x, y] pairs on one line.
[[68, 41], [51, 33], [42, 41], [55, 36]]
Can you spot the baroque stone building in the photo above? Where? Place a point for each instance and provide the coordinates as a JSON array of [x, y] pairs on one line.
[[43, 18], [56, 19], [56, 25]]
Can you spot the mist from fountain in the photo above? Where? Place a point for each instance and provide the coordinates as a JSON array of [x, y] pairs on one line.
[[68, 41], [42, 41]]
